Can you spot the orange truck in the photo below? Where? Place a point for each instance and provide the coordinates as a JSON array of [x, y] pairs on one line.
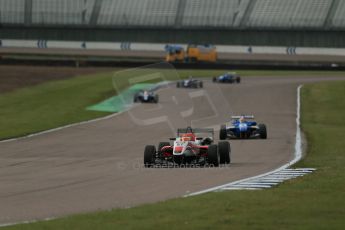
[[193, 54]]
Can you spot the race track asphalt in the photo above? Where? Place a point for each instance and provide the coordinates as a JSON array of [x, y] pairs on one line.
[[98, 166]]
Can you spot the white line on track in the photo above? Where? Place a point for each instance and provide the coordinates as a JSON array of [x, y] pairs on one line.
[[62, 127], [159, 85]]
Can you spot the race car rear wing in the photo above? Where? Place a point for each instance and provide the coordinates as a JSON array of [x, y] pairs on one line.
[[245, 116], [195, 130]]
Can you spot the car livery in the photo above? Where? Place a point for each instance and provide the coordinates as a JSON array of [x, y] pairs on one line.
[[146, 96], [243, 127], [190, 83], [188, 148], [229, 77]]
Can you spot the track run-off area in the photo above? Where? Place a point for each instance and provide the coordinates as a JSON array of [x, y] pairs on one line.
[[99, 165]]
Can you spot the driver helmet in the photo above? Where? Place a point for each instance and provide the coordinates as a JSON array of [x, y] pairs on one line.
[[242, 119], [188, 137]]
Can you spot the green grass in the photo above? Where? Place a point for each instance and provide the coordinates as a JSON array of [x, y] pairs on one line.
[[54, 104], [313, 202], [51, 104], [57, 103]]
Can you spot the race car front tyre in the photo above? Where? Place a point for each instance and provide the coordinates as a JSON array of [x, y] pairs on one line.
[[178, 160], [178, 85], [214, 79], [156, 99], [222, 132], [212, 156], [149, 156], [262, 131], [224, 152], [161, 145]]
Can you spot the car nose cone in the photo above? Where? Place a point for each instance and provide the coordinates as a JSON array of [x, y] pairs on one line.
[[188, 153], [243, 127]]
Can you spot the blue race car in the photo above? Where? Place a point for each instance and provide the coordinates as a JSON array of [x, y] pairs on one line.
[[243, 127], [229, 77]]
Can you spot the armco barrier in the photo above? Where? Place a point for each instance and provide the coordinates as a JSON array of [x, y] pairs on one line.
[[135, 46]]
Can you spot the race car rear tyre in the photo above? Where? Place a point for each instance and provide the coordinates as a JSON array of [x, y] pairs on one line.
[[222, 132], [161, 145], [238, 80], [262, 131], [201, 84], [212, 156], [149, 155], [135, 99], [224, 152]]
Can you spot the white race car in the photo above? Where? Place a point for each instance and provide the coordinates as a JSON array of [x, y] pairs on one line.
[[188, 148]]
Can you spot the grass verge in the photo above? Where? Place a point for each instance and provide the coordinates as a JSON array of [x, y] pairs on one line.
[[315, 201], [58, 103], [52, 104]]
